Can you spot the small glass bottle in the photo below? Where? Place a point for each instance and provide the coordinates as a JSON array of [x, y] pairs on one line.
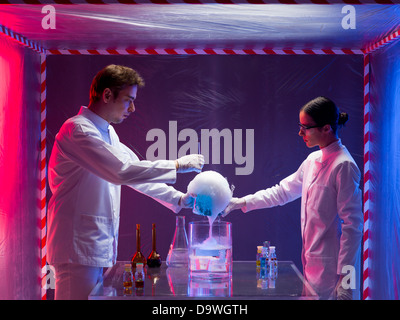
[[264, 265], [273, 263], [139, 276], [178, 255], [258, 259], [154, 259], [138, 257], [127, 279]]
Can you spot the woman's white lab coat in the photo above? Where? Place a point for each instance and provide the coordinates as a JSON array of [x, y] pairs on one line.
[[328, 182]]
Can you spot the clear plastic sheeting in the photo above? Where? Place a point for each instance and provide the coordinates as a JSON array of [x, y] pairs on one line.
[[385, 167], [19, 172], [251, 102], [118, 26]]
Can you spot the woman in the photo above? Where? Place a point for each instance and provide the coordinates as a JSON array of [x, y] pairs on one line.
[[331, 209]]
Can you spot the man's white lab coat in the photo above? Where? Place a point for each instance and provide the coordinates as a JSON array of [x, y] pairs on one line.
[[331, 213], [87, 167]]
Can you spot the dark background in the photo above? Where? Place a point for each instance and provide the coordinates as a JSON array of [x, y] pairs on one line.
[[263, 93]]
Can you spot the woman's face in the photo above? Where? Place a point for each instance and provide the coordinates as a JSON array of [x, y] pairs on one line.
[[312, 136]]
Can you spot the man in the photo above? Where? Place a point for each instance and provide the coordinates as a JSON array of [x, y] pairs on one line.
[[87, 167]]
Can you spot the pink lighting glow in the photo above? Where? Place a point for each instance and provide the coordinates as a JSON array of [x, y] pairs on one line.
[[18, 171]]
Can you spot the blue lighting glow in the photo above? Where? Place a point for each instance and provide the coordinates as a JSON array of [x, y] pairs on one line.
[[385, 115]]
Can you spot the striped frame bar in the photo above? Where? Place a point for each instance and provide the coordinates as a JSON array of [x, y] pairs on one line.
[[43, 178], [367, 186], [208, 51], [164, 2]]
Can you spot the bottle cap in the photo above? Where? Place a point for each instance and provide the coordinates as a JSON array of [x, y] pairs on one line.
[[128, 267], [272, 249]]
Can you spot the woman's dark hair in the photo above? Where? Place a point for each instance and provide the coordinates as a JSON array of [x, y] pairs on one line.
[[324, 111]]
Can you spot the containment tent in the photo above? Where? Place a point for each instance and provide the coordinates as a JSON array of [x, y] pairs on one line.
[[230, 78]]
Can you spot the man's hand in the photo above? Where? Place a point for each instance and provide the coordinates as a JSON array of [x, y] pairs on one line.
[[190, 163], [187, 200]]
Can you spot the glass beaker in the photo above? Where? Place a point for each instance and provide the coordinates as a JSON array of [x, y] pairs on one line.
[[178, 250], [210, 250]]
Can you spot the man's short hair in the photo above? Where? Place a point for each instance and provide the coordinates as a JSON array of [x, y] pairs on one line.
[[116, 78]]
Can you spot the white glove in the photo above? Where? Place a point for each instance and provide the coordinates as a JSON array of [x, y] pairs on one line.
[[234, 204], [189, 163], [187, 200]]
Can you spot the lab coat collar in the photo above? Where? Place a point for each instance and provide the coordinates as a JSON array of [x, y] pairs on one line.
[[331, 149], [98, 121]]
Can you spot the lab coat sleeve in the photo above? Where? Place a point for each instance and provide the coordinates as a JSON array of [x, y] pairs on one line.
[[109, 162], [349, 205], [166, 195], [287, 190]]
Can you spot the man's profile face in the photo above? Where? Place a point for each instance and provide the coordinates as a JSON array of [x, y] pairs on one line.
[[123, 106]]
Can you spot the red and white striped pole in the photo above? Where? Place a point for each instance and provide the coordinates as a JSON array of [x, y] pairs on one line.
[[367, 186], [43, 176], [393, 36], [367, 243], [22, 40], [210, 51]]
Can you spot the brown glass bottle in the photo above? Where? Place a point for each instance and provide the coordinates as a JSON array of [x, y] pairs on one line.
[[154, 259], [138, 257]]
